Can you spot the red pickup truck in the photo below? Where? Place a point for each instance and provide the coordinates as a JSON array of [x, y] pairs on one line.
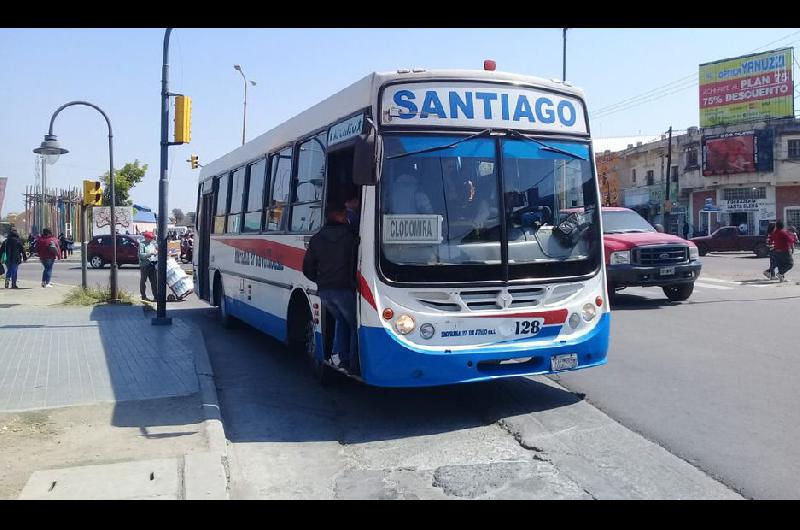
[[728, 238], [638, 256]]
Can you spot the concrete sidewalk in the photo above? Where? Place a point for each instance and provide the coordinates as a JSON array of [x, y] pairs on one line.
[[146, 392]]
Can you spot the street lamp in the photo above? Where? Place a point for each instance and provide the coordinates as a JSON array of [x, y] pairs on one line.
[[51, 149], [244, 121]]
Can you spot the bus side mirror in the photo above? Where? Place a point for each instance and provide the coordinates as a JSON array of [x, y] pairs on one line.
[[364, 159]]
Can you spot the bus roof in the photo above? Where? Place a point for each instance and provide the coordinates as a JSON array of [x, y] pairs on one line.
[[361, 94]]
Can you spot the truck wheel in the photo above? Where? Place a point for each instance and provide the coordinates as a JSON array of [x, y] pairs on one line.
[[761, 250], [679, 293], [702, 249]]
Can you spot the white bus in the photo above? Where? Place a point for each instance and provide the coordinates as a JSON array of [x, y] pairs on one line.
[[480, 241]]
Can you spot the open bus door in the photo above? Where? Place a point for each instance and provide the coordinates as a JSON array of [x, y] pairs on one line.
[[205, 224]]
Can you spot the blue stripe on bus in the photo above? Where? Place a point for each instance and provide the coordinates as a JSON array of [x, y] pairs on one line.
[[261, 320], [389, 362]]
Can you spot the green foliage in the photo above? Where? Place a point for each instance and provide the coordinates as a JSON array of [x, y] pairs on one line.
[[124, 179], [95, 295]]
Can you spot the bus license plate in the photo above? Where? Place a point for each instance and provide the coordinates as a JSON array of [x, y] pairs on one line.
[[667, 271], [564, 362]]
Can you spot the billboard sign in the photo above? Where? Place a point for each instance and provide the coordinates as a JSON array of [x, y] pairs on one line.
[[747, 88], [739, 152]]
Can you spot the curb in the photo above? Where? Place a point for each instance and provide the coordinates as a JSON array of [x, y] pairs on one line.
[[205, 475]]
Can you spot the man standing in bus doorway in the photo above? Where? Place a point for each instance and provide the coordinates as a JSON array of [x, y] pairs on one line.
[[353, 205], [330, 262]]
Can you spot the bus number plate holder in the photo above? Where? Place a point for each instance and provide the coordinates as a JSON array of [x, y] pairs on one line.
[[567, 361]]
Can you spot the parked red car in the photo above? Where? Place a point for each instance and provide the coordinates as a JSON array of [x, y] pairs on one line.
[[728, 238], [98, 251], [638, 256]]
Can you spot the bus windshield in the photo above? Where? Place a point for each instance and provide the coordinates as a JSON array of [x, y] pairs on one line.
[[458, 213]]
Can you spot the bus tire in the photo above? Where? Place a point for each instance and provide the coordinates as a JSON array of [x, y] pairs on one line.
[[223, 312]]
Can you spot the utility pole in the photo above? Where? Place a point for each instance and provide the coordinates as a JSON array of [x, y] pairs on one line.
[[84, 224], [668, 179], [564, 74]]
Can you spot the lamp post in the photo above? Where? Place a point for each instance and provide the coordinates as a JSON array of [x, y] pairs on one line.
[[51, 148], [244, 121]]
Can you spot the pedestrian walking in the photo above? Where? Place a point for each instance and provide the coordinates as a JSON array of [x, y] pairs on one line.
[[770, 272], [330, 261], [686, 230], [48, 250], [62, 243], [784, 242], [147, 265], [12, 253]]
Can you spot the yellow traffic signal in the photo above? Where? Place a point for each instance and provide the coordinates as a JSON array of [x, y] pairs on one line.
[[183, 119], [92, 194], [194, 160]]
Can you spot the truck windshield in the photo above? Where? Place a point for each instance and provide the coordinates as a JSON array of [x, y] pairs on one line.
[[623, 222], [452, 214]]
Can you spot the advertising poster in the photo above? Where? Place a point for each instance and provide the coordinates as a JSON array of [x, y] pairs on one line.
[[730, 153], [101, 220], [747, 88]]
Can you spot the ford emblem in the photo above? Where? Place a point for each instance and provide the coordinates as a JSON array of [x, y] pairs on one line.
[[663, 255]]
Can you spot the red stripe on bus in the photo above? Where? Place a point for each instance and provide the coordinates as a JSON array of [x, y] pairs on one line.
[[286, 255], [550, 317], [363, 288]]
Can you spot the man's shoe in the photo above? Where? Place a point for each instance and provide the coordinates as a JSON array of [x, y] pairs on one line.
[[14, 286], [49, 285], [781, 278], [768, 275]]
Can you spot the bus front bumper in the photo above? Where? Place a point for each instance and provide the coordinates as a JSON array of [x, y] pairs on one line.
[[388, 362]]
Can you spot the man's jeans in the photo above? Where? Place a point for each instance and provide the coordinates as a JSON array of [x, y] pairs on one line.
[[47, 273], [11, 272], [342, 305], [147, 272]]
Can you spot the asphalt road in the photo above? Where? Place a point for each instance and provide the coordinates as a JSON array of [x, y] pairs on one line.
[[68, 272], [712, 379]]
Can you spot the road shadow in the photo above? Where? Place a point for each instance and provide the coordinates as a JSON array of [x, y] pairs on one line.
[[762, 281], [630, 302], [268, 394]]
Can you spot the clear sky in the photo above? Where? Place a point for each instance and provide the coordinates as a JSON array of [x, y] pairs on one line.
[[120, 70]]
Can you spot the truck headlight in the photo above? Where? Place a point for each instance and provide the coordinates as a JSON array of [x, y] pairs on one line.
[[404, 324], [621, 258], [694, 253]]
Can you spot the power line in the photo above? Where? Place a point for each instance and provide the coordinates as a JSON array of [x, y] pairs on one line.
[[667, 89]]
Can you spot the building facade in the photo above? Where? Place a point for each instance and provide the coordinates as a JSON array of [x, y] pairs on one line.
[[750, 173]]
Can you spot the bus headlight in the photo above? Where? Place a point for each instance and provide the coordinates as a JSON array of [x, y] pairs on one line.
[[588, 311], [427, 330], [694, 253], [621, 258], [404, 324]]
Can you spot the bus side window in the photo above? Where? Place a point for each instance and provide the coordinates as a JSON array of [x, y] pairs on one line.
[[236, 198], [221, 209], [255, 196], [308, 186], [281, 181]]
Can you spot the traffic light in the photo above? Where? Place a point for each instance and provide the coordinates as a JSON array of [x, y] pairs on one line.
[[194, 160], [183, 119], [92, 194]]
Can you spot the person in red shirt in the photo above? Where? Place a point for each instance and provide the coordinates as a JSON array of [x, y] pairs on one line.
[[783, 242], [48, 250]]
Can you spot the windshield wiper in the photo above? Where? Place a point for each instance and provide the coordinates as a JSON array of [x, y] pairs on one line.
[[440, 147], [544, 146]]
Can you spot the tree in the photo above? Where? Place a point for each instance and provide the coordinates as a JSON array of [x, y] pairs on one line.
[[177, 213], [124, 179], [190, 218]]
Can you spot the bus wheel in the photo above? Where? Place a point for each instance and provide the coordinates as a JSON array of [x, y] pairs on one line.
[[225, 317], [319, 370]]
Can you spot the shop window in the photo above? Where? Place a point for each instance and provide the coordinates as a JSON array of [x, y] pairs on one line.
[[633, 176], [794, 149], [749, 192], [691, 158], [651, 179], [792, 217]]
